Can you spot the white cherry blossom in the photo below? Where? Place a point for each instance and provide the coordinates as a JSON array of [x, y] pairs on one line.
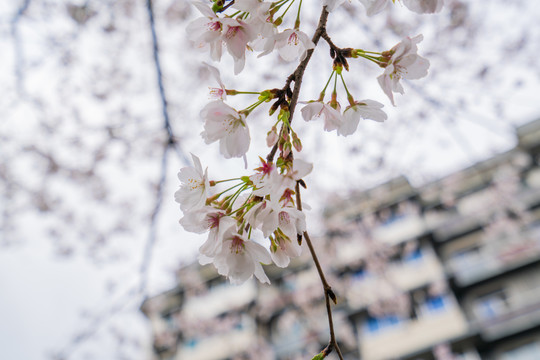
[[316, 109], [194, 186], [403, 63], [253, 7], [300, 169], [262, 216], [236, 35], [240, 259], [374, 6], [293, 44], [225, 124], [206, 31], [266, 41], [267, 180], [212, 31], [424, 6], [218, 92], [291, 222], [215, 221], [332, 4], [365, 109]]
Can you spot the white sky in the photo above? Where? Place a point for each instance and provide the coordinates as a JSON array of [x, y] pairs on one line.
[[47, 300]]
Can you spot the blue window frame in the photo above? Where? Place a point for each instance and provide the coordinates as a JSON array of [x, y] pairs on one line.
[[413, 256], [375, 325], [435, 303]]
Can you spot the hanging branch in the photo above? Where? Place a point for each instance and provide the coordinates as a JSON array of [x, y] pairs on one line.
[[328, 292]]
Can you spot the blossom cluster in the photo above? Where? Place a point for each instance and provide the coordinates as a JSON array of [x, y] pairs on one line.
[[254, 28], [256, 206], [263, 205]]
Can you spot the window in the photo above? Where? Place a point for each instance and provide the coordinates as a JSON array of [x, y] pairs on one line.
[[375, 325], [491, 305], [413, 256], [436, 303]]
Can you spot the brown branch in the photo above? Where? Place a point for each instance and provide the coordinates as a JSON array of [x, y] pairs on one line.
[[298, 73], [328, 292]]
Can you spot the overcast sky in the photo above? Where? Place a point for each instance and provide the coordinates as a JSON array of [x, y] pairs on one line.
[[75, 89]]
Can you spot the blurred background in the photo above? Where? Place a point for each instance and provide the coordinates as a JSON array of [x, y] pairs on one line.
[[429, 220]]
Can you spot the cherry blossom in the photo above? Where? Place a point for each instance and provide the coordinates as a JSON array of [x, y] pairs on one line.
[[255, 8], [424, 6], [284, 244], [206, 31], [221, 92], [212, 31], [267, 180], [293, 44], [404, 62], [236, 35], [215, 221], [365, 109], [194, 187], [374, 6], [300, 169], [266, 41], [316, 109], [240, 259], [225, 124], [332, 4]]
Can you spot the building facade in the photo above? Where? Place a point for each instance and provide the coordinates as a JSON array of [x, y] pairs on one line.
[[449, 270]]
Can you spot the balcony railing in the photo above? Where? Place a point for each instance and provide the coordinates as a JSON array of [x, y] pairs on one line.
[[410, 335], [517, 312], [488, 261]]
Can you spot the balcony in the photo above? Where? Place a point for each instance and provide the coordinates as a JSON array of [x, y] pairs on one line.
[[400, 228], [397, 338], [222, 345], [499, 315], [220, 299], [421, 269], [493, 258]]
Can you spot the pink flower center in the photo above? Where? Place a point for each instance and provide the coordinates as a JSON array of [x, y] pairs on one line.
[[231, 32], [293, 39], [266, 168], [213, 220], [284, 218], [214, 26], [287, 197], [217, 93], [237, 245]]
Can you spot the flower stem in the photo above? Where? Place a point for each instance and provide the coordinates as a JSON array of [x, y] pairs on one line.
[[220, 181], [297, 21], [345, 86], [287, 9], [325, 86]]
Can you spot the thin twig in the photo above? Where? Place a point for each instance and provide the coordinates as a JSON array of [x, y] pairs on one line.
[[138, 291], [171, 138], [328, 292]]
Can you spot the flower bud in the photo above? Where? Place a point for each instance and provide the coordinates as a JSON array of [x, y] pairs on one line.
[[297, 144], [287, 147], [272, 137]]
